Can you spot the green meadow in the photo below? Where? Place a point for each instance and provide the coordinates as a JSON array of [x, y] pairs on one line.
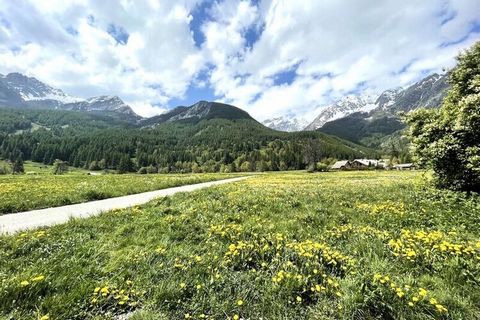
[[340, 245]]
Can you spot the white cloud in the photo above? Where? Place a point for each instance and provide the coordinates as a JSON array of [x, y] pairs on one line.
[[354, 42], [335, 46]]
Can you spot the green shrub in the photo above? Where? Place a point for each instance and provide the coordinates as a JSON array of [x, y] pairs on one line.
[[448, 140]]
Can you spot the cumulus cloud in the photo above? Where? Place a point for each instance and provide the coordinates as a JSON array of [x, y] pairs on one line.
[[146, 51]]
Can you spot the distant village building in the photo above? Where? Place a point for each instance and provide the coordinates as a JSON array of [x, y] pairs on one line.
[[404, 166], [365, 163], [341, 165], [370, 164]]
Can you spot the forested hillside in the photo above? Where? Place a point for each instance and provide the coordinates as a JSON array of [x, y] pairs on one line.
[[208, 144]]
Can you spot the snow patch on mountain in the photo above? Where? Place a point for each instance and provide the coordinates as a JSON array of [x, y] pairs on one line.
[[342, 108], [28, 91], [286, 123], [31, 89]]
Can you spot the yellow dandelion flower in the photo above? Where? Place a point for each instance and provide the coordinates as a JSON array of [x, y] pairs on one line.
[[422, 292], [299, 299], [45, 317], [240, 303], [38, 278], [24, 283], [440, 308]]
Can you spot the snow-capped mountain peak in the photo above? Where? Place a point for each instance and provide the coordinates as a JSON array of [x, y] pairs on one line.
[[31, 89], [286, 123], [18, 90], [342, 108], [388, 98]]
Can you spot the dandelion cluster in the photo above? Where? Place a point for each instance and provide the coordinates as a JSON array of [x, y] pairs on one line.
[[413, 297], [385, 207], [113, 299], [415, 245]]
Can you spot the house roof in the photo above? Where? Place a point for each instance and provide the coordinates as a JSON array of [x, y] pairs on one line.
[[340, 164], [404, 165], [367, 162]]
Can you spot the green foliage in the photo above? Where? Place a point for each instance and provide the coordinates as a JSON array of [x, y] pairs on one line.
[[125, 165], [11, 121], [17, 166], [60, 167], [448, 139], [340, 245], [360, 129], [3, 169], [87, 141], [322, 167]]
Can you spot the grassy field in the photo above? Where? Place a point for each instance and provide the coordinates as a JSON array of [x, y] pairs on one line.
[[42, 190], [346, 245]]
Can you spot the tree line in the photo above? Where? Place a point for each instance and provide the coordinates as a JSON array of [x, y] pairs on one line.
[[200, 146]]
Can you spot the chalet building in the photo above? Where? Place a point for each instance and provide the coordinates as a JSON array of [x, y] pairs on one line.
[[404, 166], [365, 163], [341, 165]]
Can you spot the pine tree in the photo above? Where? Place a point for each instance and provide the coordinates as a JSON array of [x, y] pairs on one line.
[[125, 165]]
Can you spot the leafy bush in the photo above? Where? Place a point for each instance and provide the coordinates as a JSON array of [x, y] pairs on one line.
[[322, 167], [448, 140], [60, 167], [92, 195]]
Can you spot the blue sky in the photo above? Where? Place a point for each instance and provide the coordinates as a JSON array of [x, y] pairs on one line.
[[269, 57]]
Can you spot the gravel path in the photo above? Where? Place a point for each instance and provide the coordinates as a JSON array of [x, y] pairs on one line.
[[14, 222]]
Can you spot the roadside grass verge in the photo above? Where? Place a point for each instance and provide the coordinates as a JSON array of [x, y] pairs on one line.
[[28, 192]]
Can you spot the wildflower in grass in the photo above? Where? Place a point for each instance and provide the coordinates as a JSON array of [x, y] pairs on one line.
[[422, 292], [38, 278], [240, 303], [183, 285], [24, 283], [299, 299], [236, 317], [45, 317], [104, 291], [440, 308]]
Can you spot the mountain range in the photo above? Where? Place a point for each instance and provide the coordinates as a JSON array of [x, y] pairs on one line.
[[286, 123], [381, 127], [364, 119], [427, 92], [18, 90]]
